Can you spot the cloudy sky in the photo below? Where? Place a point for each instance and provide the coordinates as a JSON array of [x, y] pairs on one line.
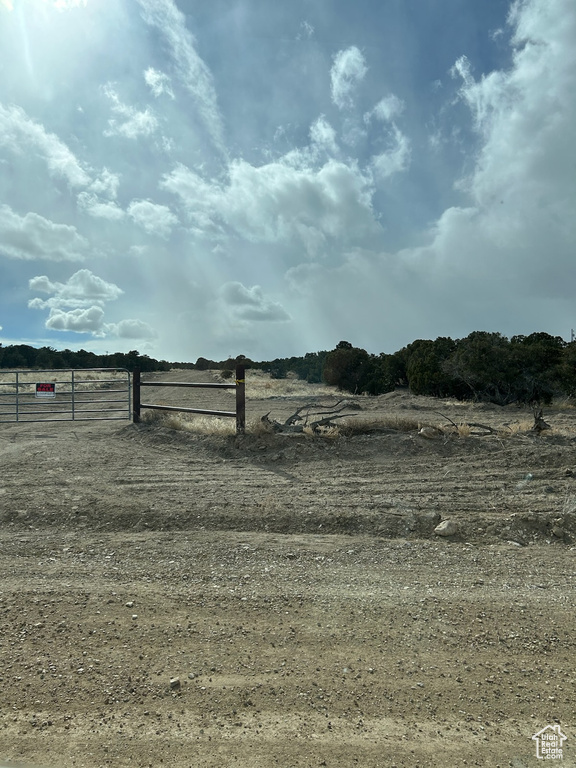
[[192, 178]]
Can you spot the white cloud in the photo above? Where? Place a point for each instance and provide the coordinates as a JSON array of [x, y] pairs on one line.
[[324, 136], [89, 320], [106, 209], [77, 304], [131, 123], [130, 329], [32, 237], [348, 70], [386, 110], [523, 183], [152, 217], [192, 71], [158, 82], [106, 184], [20, 133], [395, 159], [99, 199], [81, 289], [297, 206], [250, 303]]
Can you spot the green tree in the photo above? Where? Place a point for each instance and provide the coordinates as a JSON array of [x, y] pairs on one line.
[[485, 364], [539, 360], [425, 367], [348, 368]]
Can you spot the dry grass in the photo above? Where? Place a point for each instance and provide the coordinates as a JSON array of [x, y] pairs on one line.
[[517, 428], [198, 424], [358, 425], [259, 386]]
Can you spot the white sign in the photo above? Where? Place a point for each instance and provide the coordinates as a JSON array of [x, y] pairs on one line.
[[46, 389]]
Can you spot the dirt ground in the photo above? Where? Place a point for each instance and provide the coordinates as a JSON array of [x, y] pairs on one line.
[[269, 600]]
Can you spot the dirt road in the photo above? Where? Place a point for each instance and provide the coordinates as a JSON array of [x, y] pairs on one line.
[[264, 601]]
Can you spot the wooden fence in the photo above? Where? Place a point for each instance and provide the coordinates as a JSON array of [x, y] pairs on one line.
[[239, 385]]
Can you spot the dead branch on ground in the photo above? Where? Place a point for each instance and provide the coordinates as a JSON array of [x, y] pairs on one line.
[[304, 417], [486, 429]]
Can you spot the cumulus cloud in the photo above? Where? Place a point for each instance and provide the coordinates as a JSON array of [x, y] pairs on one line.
[[130, 329], [522, 186], [33, 237], [277, 202], [129, 122], [152, 217], [348, 70], [106, 184], [89, 320], [98, 199], [21, 134], [250, 303], [77, 305], [191, 69], [82, 288], [158, 82]]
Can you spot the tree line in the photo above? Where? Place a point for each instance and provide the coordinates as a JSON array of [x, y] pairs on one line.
[[481, 367], [24, 356]]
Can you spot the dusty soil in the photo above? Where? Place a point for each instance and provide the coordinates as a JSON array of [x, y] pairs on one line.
[[268, 600]]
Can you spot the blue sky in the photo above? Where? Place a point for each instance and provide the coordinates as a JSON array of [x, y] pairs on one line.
[[249, 176]]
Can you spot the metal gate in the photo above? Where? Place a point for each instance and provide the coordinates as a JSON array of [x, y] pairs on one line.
[[87, 394], [239, 385]]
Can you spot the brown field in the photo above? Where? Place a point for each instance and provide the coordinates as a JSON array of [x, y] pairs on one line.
[[187, 597]]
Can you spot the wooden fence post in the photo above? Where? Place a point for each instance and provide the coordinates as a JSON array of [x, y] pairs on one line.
[[136, 395], [240, 400]]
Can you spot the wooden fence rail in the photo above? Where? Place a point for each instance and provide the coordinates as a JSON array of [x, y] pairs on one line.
[[239, 414]]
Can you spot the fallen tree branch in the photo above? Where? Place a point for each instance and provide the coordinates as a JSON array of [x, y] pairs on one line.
[[332, 408], [488, 430], [301, 417]]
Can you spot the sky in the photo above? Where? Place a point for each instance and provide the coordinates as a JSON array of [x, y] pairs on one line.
[[192, 178]]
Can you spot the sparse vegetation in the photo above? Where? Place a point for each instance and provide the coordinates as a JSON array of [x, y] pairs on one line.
[[323, 413]]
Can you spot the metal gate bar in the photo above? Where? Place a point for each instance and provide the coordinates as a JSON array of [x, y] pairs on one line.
[[239, 386], [82, 396]]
